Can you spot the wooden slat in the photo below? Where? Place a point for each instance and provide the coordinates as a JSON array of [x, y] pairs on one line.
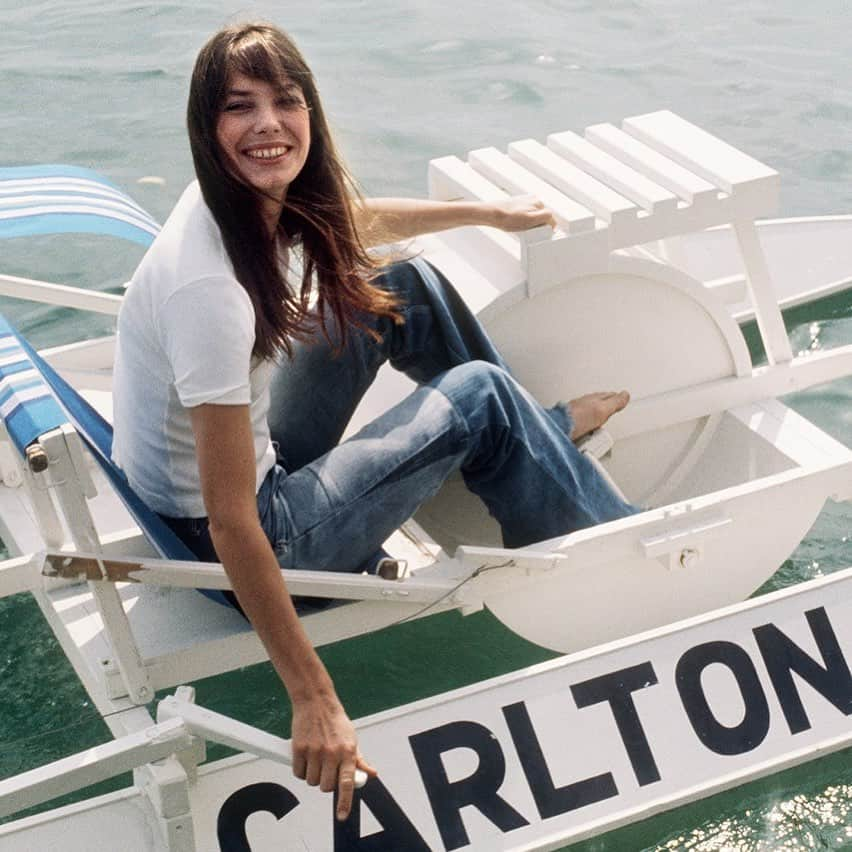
[[515, 179], [698, 150], [450, 179], [59, 294], [621, 177], [665, 171], [604, 202], [93, 765]]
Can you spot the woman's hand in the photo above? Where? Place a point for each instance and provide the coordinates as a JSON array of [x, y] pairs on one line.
[[520, 213], [325, 749]]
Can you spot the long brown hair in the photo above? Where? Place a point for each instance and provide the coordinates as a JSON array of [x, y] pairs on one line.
[[318, 210]]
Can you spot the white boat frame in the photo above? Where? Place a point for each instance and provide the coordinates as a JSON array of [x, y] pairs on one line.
[[628, 203]]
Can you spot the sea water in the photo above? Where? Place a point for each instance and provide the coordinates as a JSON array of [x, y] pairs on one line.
[[103, 85]]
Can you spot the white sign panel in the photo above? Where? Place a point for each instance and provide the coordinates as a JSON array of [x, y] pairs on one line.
[[564, 750]]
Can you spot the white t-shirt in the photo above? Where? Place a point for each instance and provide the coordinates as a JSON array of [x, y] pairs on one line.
[[185, 337]]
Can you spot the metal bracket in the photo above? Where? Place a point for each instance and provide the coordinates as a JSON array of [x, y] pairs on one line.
[[683, 546]]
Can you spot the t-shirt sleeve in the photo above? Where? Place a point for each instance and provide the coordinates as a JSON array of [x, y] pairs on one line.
[[207, 331]]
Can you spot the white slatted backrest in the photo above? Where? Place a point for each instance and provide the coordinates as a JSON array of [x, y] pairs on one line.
[[686, 184], [574, 218], [603, 201], [654, 198], [701, 152]]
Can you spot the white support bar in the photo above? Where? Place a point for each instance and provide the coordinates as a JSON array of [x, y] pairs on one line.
[[59, 294], [604, 202], [19, 574], [69, 491], [336, 585], [93, 765], [481, 559], [229, 732], [46, 515], [763, 299], [705, 154], [659, 168], [515, 179], [678, 406], [625, 180]]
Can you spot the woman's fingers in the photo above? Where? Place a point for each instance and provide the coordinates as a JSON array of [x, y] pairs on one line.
[[346, 781], [325, 751], [316, 767], [345, 788], [300, 763], [522, 212]]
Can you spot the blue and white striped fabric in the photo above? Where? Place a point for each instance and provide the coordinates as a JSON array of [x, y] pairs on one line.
[[34, 398], [27, 405], [68, 199], [30, 395]]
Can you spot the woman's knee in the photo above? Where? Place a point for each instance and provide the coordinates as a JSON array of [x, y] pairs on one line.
[[475, 381]]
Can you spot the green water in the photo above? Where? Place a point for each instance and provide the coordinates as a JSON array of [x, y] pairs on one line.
[[101, 84]]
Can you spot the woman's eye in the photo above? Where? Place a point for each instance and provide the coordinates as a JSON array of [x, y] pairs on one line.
[[236, 106], [291, 103]]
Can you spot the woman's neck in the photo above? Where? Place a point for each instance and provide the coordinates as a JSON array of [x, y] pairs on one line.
[[270, 212]]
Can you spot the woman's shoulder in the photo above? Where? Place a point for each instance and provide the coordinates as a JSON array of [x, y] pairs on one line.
[[189, 248]]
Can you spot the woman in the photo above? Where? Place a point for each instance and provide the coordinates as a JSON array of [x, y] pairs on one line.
[[208, 311]]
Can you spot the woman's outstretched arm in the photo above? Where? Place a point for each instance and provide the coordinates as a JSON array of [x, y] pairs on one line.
[[325, 746], [386, 220]]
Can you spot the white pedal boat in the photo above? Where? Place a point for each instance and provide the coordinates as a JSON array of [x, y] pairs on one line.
[[656, 262]]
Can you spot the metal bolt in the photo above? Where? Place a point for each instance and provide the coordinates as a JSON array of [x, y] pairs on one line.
[[689, 557], [36, 458]]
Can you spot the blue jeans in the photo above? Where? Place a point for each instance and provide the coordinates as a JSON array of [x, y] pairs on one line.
[[330, 505]]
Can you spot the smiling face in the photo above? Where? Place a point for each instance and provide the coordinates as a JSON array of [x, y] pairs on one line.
[[264, 133]]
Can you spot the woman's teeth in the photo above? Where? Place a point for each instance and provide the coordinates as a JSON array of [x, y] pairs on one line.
[[266, 153]]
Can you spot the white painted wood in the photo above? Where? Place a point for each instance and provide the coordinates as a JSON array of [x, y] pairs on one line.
[[90, 826], [450, 179], [36, 488], [229, 732], [71, 497], [11, 474], [662, 170], [59, 294], [803, 443], [625, 180], [210, 575], [96, 354], [766, 310], [556, 608], [576, 742], [19, 574], [708, 156], [732, 289], [669, 407], [509, 175], [96, 764], [605, 203]]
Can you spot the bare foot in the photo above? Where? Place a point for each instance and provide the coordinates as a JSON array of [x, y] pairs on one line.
[[591, 411]]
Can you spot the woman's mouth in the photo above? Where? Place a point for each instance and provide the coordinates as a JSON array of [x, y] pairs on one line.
[[266, 153]]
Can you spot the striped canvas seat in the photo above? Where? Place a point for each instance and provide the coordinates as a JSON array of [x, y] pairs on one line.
[[56, 199]]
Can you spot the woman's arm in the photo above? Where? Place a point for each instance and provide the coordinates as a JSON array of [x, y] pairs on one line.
[[325, 747], [385, 220]]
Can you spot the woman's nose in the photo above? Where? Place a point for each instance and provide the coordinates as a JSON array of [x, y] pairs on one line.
[[267, 118]]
